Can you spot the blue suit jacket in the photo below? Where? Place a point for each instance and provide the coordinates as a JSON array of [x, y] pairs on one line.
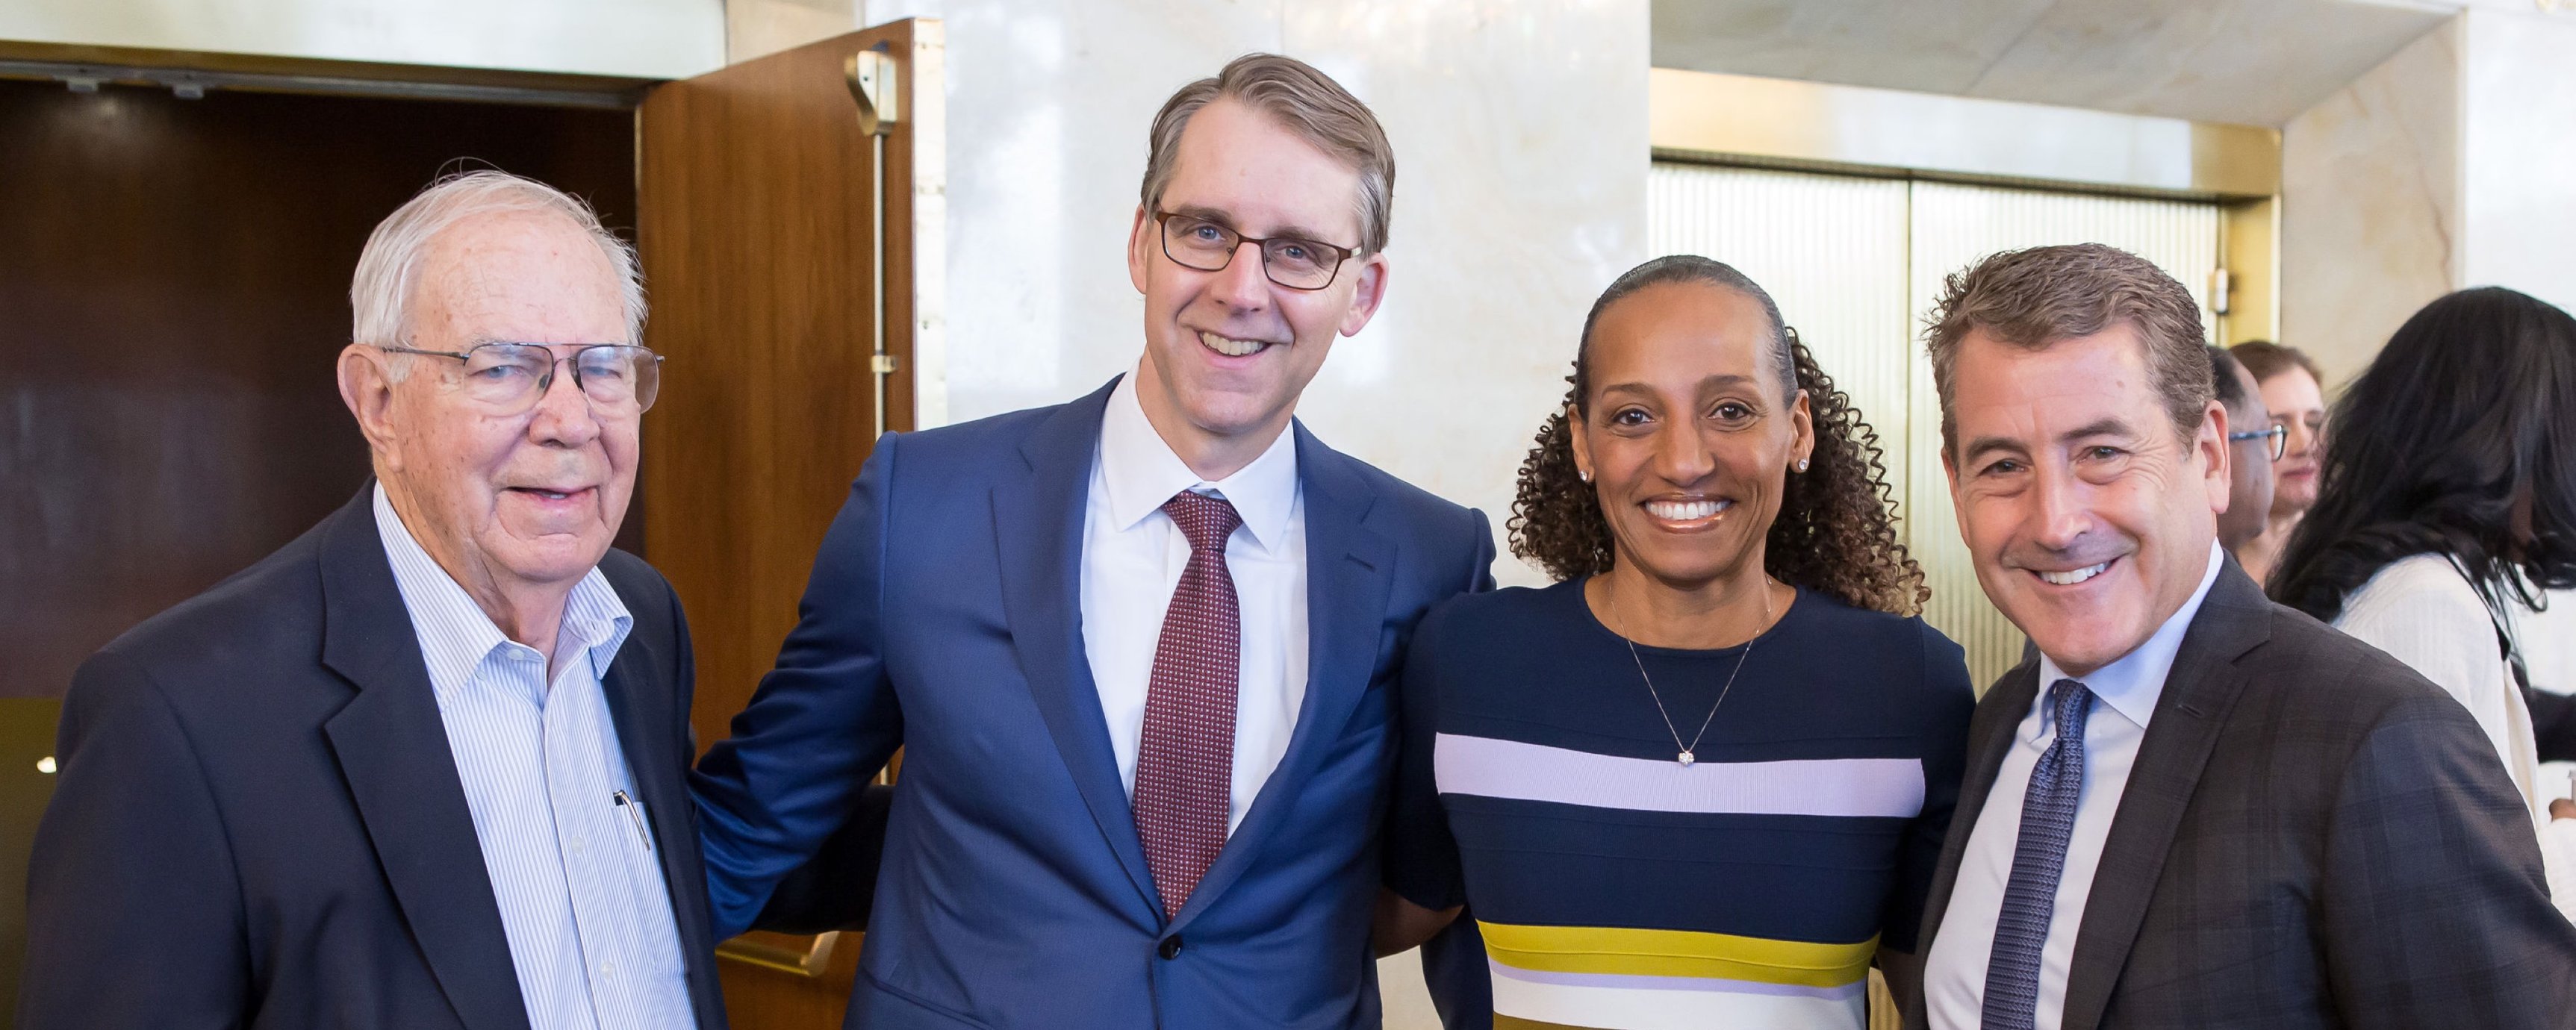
[[944, 617]]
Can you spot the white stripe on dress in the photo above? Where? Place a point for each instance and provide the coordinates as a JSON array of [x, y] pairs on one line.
[[1686, 1004], [1485, 767]]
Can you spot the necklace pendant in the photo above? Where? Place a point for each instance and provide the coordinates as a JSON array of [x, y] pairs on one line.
[[1686, 759]]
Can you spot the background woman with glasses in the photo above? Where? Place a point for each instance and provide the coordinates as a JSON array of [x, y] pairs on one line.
[[2256, 442], [2293, 392], [2448, 505]]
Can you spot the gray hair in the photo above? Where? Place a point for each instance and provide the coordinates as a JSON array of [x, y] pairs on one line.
[[380, 294], [1306, 101]]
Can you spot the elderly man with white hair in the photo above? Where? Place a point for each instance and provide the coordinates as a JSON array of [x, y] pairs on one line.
[[423, 767]]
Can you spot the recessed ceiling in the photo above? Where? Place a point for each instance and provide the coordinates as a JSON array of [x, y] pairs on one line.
[[2250, 62]]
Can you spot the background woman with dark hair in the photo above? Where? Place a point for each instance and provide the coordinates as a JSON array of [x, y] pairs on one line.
[[2447, 503], [1704, 779]]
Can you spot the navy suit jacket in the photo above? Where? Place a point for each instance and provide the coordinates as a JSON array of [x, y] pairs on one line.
[[259, 823], [944, 616]]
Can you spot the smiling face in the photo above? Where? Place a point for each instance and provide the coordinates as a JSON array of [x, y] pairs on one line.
[[2089, 518], [1227, 352], [521, 499], [1688, 437], [2295, 401]]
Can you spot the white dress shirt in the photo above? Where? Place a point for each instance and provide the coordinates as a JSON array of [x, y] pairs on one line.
[[1132, 558], [1954, 975], [582, 898], [2423, 612]]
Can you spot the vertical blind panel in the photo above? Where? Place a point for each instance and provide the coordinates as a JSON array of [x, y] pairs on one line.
[[1953, 227], [1831, 251]]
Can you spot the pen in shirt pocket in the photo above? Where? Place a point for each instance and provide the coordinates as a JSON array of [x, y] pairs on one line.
[[635, 810]]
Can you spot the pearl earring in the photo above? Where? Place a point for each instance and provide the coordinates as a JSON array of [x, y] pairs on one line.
[[1583, 474], [1802, 464]]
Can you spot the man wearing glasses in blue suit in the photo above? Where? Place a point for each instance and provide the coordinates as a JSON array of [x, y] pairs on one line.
[[1139, 648]]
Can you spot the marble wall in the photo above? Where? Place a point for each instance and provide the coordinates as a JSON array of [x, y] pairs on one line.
[[2370, 204], [2442, 168], [1521, 147]]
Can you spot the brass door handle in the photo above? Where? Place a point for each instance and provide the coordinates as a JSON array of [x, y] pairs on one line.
[[809, 963], [870, 74]]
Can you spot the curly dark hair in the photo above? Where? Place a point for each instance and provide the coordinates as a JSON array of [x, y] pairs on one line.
[[1836, 531]]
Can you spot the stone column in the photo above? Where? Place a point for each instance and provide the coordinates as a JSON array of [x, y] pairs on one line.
[[2451, 164]]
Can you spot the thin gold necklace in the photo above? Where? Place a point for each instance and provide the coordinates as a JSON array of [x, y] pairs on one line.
[[1688, 756]]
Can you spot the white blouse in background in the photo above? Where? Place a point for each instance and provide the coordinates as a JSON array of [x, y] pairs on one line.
[[2423, 612]]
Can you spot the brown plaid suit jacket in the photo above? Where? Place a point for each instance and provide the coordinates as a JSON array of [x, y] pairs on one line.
[[2312, 836]]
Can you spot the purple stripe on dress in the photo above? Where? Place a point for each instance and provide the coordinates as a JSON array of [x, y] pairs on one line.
[[1627, 981]]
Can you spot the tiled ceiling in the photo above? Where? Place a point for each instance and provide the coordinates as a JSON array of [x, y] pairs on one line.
[[2252, 62]]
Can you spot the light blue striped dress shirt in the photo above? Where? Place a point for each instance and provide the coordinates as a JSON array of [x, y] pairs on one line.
[[581, 893]]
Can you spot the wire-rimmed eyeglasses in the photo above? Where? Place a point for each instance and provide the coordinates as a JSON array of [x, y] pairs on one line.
[[509, 378], [2280, 439], [1291, 261]]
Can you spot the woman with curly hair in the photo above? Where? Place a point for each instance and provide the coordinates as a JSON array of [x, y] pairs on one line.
[[1702, 781], [2446, 507]]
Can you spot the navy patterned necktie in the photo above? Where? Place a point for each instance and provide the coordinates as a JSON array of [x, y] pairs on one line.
[[2039, 860], [1185, 759]]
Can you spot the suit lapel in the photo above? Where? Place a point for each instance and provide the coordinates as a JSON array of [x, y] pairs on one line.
[[393, 751], [639, 706], [1990, 736], [1037, 523], [2198, 694], [1349, 574]]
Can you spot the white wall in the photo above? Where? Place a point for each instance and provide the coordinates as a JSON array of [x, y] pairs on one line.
[[639, 38], [2518, 154], [1521, 152]]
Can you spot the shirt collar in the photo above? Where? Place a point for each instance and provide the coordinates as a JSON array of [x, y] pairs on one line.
[[1141, 472], [2132, 684], [594, 619]]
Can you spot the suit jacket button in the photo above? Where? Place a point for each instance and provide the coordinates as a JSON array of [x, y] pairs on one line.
[[1171, 947]]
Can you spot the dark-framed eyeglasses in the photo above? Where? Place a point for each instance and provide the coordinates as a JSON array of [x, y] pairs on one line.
[[2280, 436], [1208, 246], [509, 378]]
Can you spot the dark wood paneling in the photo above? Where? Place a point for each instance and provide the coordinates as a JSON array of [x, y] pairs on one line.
[[174, 281], [756, 192], [26, 785]]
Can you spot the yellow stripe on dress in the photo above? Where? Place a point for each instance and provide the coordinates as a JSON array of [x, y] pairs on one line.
[[1504, 1022], [1682, 953]]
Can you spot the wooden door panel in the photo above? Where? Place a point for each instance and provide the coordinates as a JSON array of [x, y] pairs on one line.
[[760, 206]]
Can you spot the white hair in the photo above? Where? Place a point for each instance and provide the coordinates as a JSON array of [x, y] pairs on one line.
[[380, 294]]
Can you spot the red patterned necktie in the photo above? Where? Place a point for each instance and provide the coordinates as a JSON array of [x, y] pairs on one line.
[[1185, 761]]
